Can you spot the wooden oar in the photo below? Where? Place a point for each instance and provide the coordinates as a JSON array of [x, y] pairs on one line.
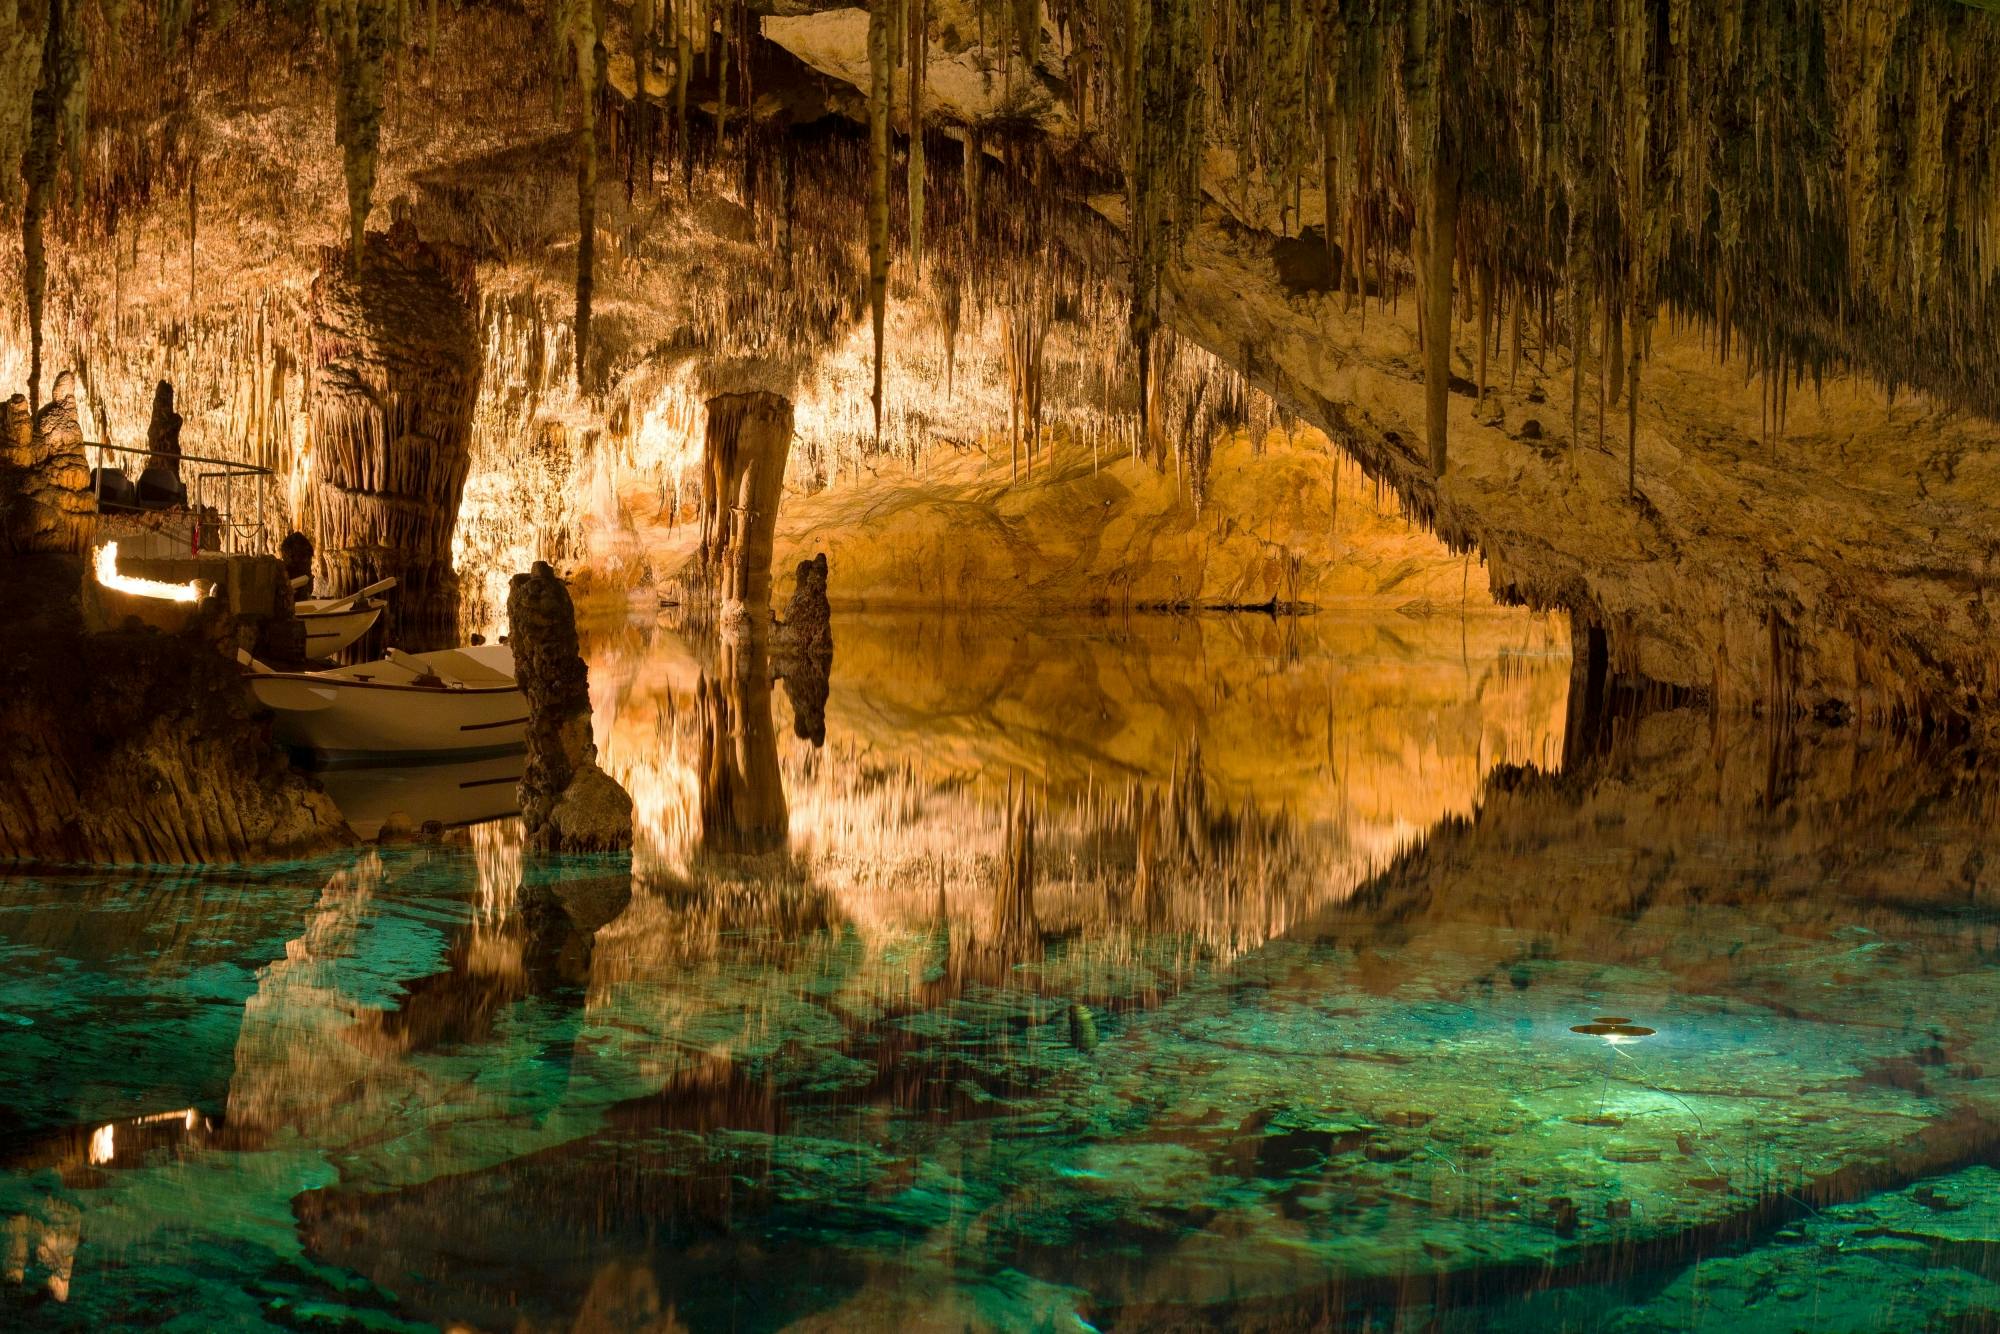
[[410, 663], [342, 604]]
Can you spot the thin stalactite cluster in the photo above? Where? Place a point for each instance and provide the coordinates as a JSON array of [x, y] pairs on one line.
[[1815, 180]]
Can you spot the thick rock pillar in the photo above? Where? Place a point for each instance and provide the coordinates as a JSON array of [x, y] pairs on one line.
[[395, 356], [568, 804], [743, 475]]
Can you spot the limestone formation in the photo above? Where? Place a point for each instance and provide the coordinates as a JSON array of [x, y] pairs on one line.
[[45, 497], [396, 372], [568, 804], [161, 483], [744, 449]]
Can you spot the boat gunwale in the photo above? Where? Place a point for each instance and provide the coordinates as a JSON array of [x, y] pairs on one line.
[[322, 678]]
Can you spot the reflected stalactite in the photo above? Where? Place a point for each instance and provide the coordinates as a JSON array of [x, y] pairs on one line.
[[742, 788], [802, 650], [1015, 928]]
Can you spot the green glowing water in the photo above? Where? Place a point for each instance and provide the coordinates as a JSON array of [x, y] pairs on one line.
[[1246, 1067]]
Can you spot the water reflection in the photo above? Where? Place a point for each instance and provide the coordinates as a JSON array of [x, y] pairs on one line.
[[408, 796], [1023, 1002], [1279, 762], [742, 794]]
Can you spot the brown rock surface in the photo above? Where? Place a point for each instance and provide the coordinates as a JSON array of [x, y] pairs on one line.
[[135, 746], [567, 803], [44, 477], [743, 478]]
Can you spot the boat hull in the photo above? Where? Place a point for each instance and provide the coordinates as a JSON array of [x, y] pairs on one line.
[[377, 713], [328, 632]]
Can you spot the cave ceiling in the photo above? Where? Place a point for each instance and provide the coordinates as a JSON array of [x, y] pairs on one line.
[[1128, 220]]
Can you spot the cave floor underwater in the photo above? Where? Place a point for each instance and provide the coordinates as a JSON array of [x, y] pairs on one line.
[[1343, 987]]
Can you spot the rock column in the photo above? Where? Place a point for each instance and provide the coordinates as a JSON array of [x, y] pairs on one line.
[[743, 475], [568, 804], [396, 364]]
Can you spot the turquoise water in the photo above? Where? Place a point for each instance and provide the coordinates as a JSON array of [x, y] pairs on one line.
[[1285, 1036]]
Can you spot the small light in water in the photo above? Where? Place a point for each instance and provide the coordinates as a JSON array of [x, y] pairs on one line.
[[107, 574], [1613, 1028], [102, 1145]]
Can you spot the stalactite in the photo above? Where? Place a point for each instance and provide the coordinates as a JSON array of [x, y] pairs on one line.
[[722, 83], [919, 59], [61, 78], [683, 65], [975, 164], [642, 66], [1632, 414], [359, 32], [880, 23], [1485, 324], [586, 26], [1441, 231]]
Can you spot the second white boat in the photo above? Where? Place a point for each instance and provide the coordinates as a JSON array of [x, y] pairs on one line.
[[334, 623]]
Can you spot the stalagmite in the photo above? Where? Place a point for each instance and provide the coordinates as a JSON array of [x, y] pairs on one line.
[[568, 804], [744, 450], [45, 500], [396, 373]]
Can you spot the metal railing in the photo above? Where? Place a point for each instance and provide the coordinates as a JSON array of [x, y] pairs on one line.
[[217, 487]]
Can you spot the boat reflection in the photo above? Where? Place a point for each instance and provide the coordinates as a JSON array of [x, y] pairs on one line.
[[406, 797]]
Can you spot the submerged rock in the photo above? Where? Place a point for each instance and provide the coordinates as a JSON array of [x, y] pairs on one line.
[[568, 804]]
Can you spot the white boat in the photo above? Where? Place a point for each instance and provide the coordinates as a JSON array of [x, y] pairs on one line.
[[334, 623], [408, 707]]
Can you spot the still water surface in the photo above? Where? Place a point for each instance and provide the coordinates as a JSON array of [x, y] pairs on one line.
[[1108, 975]]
